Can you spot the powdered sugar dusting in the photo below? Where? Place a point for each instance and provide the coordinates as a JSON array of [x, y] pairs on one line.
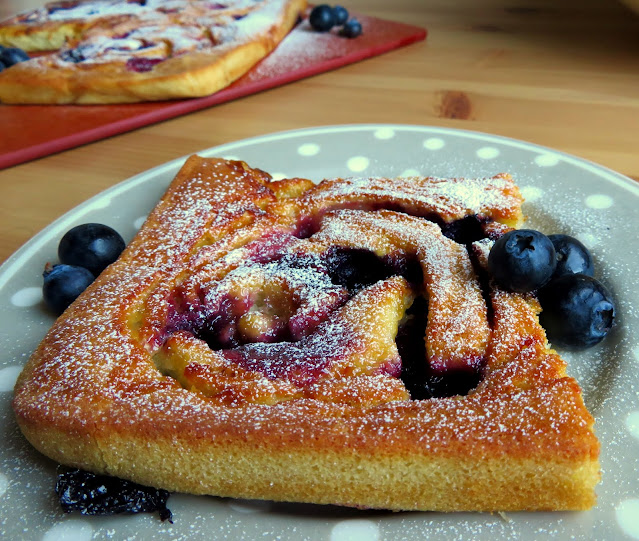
[[606, 373], [447, 199], [431, 424]]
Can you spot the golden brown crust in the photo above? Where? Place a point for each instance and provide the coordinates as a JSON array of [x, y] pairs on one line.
[[92, 396], [193, 52]]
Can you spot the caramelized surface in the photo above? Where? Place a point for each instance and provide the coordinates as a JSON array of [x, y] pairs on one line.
[[246, 344]]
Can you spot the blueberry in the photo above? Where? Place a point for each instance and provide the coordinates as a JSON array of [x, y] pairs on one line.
[[73, 55], [2, 66], [572, 256], [351, 29], [12, 55], [355, 268], [340, 15], [63, 284], [93, 494], [522, 260], [92, 246], [578, 311], [322, 18]]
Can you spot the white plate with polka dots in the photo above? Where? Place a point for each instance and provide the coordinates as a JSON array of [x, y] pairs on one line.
[[564, 194]]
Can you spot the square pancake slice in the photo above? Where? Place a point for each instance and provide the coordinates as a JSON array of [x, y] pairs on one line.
[[247, 344], [119, 51]]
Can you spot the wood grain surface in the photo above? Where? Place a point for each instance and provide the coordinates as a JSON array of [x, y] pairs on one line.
[[560, 74]]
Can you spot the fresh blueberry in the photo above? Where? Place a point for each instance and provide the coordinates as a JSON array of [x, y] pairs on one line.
[[2, 66], [92, 246], [63, 284], [73, 55], [578, 311], [351, 29], [93, 494], [572, 256], [322, 18], [340, 15], [355, 268], [12, 55], [522, 260]]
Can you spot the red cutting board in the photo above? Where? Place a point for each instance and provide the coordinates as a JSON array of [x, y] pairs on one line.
[[32, 131]]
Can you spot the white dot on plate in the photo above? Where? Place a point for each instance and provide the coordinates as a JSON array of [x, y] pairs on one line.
[[410, 173], [636, 352], [487, 153], [101, 203], [587, 239], [69, 530], [249, 506], [384, 133], [308, 149], [4, 484], [434, 143], [28, 296], [628, 517], [355, 530], [8, 377], [139, 222], [357, 163], [279, 176], [547, 160], [531, 193], [632, 422], [599, 201]]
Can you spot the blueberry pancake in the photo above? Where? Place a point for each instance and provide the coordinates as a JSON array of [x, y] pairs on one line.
[[337, 343], [118, 51]]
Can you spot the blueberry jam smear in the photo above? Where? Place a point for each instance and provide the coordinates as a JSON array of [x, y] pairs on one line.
[[73, 55], [420, 380], [355, 268], [465, 230], [93, 494], [142, 64]]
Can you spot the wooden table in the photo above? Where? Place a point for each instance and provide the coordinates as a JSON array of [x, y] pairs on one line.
[[560, 74]]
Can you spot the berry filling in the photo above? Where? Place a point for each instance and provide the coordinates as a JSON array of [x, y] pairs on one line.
[[142, 64], [92, 494], [276, 315]]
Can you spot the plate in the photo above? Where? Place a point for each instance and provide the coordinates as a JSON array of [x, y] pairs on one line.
[[563, 194]]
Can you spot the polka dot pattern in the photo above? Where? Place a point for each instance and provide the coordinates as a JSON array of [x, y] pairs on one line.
[[28, 296], [70, 530], [384, 133], [487, 153], [355, 530], [434, 143], [547, 160], [8, 377], [632, 422], [100, 203], [4, 484], [531, 193], [357, 164], [139, 222], [308, 149], [599, 201], [589, 240], [627, 513]]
